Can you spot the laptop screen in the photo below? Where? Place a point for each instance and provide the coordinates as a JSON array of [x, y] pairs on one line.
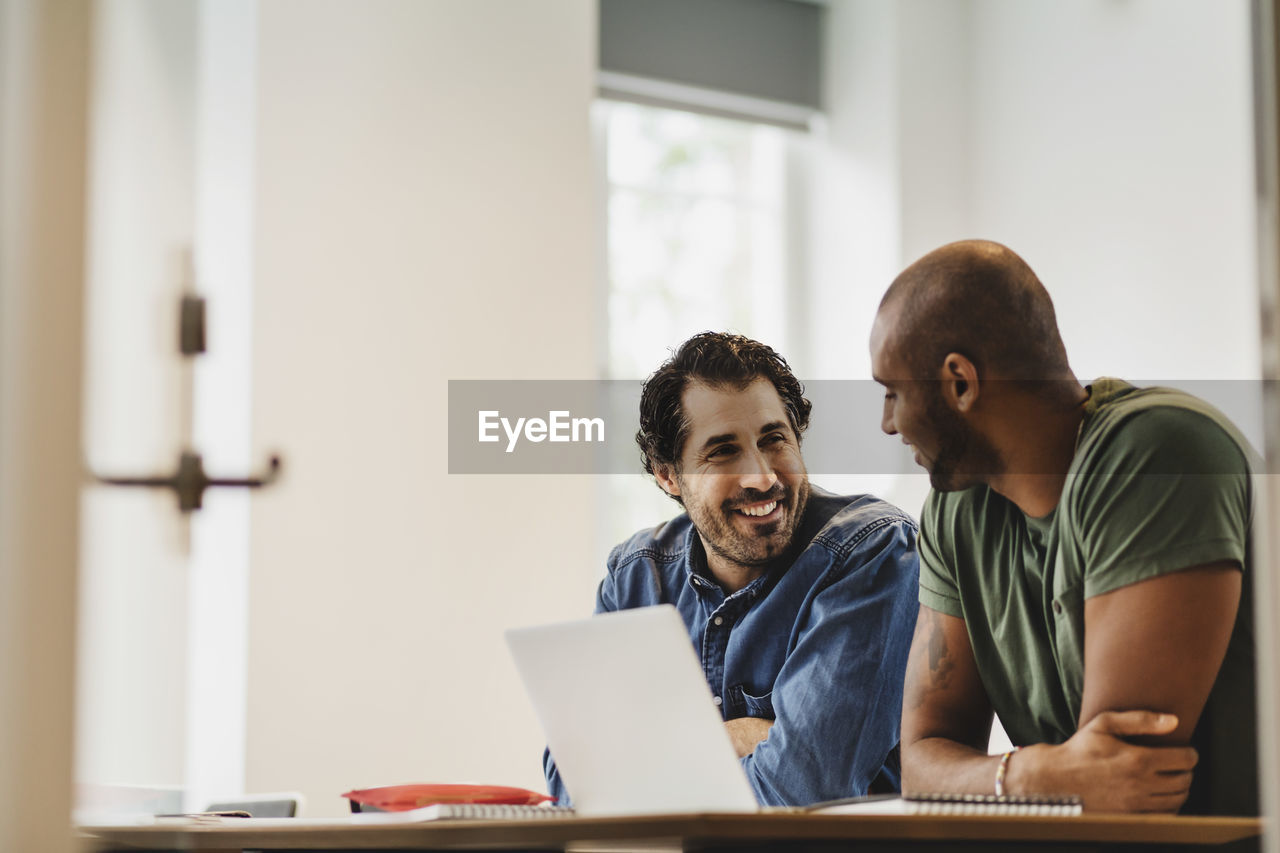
[[628, 716]]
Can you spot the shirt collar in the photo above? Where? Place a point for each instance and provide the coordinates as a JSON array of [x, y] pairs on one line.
[[698, 576]]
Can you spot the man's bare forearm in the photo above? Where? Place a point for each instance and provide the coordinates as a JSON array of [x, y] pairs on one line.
[[946, 715], [935, 764], [1096, 764]]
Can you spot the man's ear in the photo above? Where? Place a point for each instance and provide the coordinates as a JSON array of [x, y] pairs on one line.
[[666, 477], [960, 386]]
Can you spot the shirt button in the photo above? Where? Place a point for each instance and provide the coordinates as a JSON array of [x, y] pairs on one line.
[[719, 620], [1057, 607], [716, 700]]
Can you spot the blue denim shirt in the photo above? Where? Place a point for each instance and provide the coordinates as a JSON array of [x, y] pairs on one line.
[[819, 646]]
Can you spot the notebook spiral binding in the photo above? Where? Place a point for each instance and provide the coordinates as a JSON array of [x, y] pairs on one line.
[[478, 811], [990, 804]]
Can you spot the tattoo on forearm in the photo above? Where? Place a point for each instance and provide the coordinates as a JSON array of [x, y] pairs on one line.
[[941, 666]]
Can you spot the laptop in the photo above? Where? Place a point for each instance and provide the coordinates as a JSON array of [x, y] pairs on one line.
[[628, 715]]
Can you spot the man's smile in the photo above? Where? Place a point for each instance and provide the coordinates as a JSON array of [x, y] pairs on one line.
[[915, 454], [760, 510]]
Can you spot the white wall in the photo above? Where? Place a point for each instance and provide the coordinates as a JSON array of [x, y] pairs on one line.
[[424, 213], [1109, 143], [1113, 148], [856, 224], [218, 589]]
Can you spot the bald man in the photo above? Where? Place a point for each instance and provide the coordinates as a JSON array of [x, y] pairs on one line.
[[1084, 558]]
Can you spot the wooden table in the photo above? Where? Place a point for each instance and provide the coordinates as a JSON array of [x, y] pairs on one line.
[[768, 831]]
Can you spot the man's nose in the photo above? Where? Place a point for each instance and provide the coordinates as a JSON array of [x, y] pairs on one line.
[[757, 473], [886, 419]]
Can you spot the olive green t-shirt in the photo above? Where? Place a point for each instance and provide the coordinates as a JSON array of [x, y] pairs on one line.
[[1160, 482]]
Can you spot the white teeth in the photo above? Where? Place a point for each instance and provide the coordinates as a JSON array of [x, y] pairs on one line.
[[757, 511]]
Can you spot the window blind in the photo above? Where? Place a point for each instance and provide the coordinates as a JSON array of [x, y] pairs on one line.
[[754, 59]]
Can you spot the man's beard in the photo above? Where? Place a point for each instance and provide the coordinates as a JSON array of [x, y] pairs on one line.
[[965, 457], [718, 532]]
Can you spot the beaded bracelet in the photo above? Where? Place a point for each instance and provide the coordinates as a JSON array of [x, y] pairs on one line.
[[1003, 769]]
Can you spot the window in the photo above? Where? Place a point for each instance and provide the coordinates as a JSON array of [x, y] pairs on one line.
[[701, 215]]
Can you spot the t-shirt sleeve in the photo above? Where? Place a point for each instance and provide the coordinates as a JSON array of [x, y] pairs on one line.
[[1168, 490], [938, 588]]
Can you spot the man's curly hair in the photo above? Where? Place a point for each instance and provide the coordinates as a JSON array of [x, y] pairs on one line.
[[716, 358]]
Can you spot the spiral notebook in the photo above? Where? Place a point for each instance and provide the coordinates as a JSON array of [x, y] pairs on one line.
[[955, 804], [465, 811]]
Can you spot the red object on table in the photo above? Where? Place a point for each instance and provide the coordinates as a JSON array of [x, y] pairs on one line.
[[399, 798]]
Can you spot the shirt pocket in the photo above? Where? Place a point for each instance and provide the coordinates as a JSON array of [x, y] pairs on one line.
[[759, 706]]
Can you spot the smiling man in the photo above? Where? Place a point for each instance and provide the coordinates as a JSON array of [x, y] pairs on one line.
[[800, 603], [1084, 557]]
